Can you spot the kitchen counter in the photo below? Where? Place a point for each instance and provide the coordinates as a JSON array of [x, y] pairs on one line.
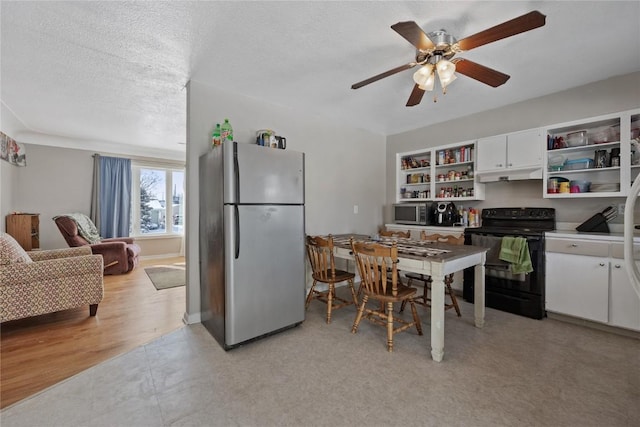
[[604, 237], [434, 228]]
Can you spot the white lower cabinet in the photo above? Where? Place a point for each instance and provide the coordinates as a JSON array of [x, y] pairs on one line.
[[588, 279], [578, 285]]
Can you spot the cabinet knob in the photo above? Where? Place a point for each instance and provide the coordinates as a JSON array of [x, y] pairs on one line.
[[602, 264], [499, 165], [617, 265], [510, 164], [573, 245]]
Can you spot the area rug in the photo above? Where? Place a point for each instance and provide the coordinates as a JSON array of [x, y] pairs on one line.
[[165, 277]]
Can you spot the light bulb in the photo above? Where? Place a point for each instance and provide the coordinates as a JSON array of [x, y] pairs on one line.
[[448, 81], [445, 69], [423, 74], [428, 84]]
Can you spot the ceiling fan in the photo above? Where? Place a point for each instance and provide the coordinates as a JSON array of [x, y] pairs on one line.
[[435, 50]]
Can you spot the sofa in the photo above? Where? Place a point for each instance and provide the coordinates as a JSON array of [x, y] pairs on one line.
[[120, 254], [46, 281]]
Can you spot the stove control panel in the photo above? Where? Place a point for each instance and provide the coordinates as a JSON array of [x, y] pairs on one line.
[[519, 213]]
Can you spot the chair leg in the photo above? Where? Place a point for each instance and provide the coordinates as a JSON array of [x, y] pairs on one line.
[[356, 323], [310, 296], [390, 326], [454, 300], [404, 303], [353, 292], [93, 309], [416, 319], [330, 295]]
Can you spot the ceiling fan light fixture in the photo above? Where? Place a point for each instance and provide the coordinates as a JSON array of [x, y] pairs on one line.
[[423, 75], [429, 83], [445, 69]]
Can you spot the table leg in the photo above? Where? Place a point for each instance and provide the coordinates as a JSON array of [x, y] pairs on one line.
[[479, 293], [437, 313]]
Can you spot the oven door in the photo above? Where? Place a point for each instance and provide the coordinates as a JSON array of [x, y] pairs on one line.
[[516, 293]]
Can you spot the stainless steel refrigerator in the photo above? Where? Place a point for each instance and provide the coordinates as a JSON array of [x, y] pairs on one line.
[[252, 265]]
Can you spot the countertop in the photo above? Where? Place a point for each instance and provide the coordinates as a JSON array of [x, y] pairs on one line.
[[605, 237]]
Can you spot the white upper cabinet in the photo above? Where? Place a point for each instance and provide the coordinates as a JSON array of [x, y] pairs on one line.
[[512, 156]]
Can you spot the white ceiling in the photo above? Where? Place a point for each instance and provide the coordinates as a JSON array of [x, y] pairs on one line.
[[115, 71]]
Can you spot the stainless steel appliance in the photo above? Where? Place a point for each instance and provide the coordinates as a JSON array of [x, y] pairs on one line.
[[445, 214], [520, 293], [411, 213], [252, 266]]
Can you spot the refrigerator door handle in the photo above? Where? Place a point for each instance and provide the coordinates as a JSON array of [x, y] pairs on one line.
[[236, 168], [237, 233]]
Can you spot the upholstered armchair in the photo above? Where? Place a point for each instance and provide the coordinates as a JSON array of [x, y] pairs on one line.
[[40, 282], [120, 254]]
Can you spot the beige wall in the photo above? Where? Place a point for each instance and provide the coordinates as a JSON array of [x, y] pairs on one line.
[[9, 125], [57, 180], [607, 96], [344, 166]]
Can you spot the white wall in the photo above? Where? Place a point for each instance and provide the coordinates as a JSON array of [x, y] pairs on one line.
[[10, 125], [607, 96], [344, 166]]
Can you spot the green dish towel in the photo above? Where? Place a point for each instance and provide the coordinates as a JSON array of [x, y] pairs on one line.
[[516, 251]]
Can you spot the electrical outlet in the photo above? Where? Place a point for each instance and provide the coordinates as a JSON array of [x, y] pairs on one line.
[[621, 209]]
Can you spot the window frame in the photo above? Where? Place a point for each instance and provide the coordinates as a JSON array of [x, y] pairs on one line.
[[136, 168]]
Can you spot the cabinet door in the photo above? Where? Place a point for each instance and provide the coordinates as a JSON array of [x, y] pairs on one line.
[[491, 153], [578, 285], [524, 149], [624, 304]]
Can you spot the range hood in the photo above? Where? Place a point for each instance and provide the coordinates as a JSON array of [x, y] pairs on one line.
[[512, 174]]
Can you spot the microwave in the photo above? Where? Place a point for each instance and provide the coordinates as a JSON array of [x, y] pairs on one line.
[[411, 213]]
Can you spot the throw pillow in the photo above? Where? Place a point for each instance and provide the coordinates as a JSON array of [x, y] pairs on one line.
[[11, 251]]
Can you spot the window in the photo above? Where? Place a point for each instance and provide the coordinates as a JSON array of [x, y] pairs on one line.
[[157, 200]]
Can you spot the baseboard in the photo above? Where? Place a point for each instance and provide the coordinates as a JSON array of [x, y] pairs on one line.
[[595, 325], [190, 319], [145, 257]]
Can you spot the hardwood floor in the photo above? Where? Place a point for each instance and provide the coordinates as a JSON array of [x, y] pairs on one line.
[[38, 352]]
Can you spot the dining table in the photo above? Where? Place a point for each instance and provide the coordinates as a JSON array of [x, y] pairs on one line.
[[434, 259]]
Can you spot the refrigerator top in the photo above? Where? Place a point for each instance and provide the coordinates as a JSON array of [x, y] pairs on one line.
[[254, 174]]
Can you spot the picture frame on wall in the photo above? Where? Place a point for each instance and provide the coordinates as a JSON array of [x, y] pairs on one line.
[[4, 147], [12, 151]]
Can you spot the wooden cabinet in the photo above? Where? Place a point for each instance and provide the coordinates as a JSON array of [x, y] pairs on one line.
[[440, 173], [588, 279], [597, 150], [504, 155], [25, 228]]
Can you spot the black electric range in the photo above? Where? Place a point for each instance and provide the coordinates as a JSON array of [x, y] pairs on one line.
[[519, 293]]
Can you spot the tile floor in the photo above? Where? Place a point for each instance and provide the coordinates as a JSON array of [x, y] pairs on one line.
[[514, 371]]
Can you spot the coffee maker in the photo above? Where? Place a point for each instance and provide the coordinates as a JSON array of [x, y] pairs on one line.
[[445, 214]]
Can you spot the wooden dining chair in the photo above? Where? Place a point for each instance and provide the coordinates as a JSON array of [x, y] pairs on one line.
[[320, 253], [394, 233], [372, 259], [426, 279]]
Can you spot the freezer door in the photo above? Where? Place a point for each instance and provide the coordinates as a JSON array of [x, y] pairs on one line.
[[256, 175], [265, 277]]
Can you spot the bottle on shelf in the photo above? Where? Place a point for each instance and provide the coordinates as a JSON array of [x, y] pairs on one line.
[[226, 131], [216, 136]]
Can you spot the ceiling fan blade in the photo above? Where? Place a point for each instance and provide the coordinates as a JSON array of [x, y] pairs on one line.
[[510, 28], [413, 34], [481, 73], [415, 97], [383, 75]]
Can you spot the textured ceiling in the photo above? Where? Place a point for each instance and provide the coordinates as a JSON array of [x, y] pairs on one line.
[[115, 71]]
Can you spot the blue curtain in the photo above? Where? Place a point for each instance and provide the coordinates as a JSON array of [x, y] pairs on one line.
[[115, 197]]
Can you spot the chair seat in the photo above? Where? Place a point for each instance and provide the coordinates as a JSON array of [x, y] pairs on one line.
[[404, 292], [340, 276]]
